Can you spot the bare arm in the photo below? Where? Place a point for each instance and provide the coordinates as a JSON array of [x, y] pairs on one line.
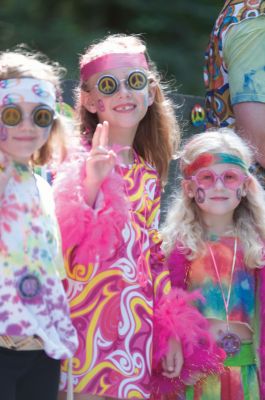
[[250, 124]]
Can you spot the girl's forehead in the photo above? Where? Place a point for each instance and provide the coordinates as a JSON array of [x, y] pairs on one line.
[[119, 72], [24, 105], [220, 167]]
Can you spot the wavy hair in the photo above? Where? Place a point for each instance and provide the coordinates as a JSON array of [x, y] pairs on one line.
[[24, 63], [184, 226], [158, 134]]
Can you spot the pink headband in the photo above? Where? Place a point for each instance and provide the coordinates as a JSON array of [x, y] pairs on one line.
[[115, 60]]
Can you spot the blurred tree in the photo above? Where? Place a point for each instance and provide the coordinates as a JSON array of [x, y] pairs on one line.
[[176, 31]]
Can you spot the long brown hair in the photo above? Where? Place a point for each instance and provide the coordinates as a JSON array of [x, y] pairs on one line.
[[158, 134]]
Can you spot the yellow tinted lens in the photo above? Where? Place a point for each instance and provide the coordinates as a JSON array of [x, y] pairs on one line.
[[107, 85], [11, 116], [137, 80], [43, 117]]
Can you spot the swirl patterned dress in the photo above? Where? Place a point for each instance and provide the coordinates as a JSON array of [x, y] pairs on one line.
[[112, 299]]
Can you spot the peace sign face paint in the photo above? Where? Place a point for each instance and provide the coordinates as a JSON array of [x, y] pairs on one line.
[[120, 96]]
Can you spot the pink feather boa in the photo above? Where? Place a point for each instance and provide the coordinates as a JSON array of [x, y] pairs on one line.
[[176, 317], [89, 233], [262, 332]]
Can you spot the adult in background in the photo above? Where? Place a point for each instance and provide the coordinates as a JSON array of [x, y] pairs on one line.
[[235, 74]]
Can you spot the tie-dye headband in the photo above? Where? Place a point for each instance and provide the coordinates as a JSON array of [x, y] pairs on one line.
[[206, 159], [110, 61], [30, 90]]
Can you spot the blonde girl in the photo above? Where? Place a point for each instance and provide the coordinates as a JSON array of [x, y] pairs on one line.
[[214, 241]]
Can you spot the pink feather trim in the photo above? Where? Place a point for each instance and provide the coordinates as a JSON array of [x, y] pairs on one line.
[[261, 274], [176, 317], [89, 233], [178, 266]]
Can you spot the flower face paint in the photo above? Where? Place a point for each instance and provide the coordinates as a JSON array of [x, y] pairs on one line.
[[3, 132], [218, 192], [101, 106], [200, 195]]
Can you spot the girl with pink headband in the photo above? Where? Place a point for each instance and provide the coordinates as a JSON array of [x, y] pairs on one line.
[[213, 238], [108, 201], [36, 331]]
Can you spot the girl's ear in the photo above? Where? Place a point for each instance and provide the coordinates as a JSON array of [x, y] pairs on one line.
[[151, 93], [88, 102], [187, 188]]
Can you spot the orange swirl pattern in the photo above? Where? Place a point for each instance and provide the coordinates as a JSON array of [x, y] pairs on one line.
[[111, 311]]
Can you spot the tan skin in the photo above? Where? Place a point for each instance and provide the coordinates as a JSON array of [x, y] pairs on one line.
[[250, 124]]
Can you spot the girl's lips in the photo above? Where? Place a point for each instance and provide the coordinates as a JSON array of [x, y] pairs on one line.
[[219, 198], [125, 107], [24, 138]]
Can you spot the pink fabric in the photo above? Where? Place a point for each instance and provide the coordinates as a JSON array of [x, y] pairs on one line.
[[89, 233], [178, 275], [110, 61], [111, 311], [262, 333], [179, 266], [175, 316]]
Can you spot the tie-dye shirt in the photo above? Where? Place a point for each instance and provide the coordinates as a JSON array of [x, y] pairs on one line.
[[32, 298], [202, 274]]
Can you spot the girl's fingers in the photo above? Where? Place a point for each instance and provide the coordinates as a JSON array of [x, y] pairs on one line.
[[104, 137], [96, 136], [98, 157]]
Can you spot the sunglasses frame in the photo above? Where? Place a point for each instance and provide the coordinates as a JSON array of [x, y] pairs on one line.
[[33, 115], [243, 177], [118, 82]]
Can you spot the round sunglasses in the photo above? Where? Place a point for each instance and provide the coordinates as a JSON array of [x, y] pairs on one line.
[[207, 178], [42, 116], [109, 84]]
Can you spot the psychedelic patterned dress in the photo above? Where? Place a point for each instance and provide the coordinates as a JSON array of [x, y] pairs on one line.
[[200, 273], [32, 298], [112, 300]]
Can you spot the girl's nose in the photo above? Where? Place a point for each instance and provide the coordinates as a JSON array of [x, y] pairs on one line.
[[124, 89], [219, 183], [26, 122]]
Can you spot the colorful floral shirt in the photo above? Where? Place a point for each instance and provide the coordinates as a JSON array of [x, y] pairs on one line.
[[202, 274], [32, 298]]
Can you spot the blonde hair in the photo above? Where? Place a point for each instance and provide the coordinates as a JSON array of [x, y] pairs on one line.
[[158, 134], [184, 226], [22, 63]]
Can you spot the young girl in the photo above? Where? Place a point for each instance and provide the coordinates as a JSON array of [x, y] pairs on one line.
[[107, 202], [214, 240], [35, 327]]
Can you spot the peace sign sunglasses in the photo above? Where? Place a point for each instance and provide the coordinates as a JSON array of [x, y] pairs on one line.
[[109, 84], [42, 115]]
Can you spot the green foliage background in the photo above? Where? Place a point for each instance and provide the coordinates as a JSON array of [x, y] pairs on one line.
[[176, 31]]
